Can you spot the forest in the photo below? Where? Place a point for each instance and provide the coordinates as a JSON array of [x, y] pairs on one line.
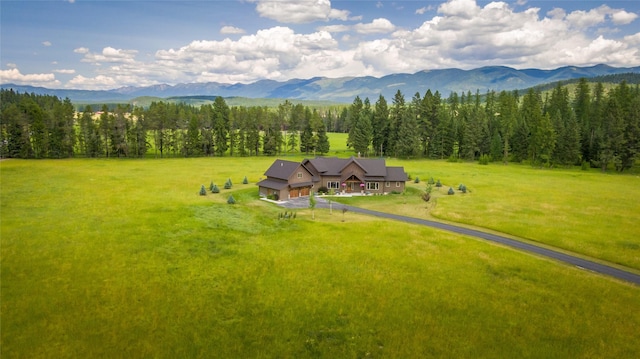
[[589, 126]]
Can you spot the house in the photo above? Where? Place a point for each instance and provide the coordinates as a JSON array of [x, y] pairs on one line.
[[288, 179]]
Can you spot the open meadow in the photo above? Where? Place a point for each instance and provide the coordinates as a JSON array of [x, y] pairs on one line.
[[123, 258]]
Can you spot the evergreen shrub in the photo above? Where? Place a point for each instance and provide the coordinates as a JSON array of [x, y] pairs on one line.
[[231, 200], [215, 189], [245, 180], [203, 191], [451, 191]]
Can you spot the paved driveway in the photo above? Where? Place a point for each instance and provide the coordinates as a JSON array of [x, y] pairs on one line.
[[579, 262]]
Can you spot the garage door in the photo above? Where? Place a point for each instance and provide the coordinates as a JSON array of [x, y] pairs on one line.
[[304, 191], [294, 193]]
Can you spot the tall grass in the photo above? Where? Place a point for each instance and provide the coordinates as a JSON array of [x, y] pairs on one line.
[[112, 258]]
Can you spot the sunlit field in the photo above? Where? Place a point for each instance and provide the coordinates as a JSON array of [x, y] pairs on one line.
[[123, 258]]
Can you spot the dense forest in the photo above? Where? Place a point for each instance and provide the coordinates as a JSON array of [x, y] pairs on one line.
[[590, 126]]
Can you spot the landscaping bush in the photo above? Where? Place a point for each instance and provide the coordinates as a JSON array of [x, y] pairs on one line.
[[245, 180], [203, 191], [215, 189], [451, 191], [431, 181], [417, 180], [231, 200], [211, 186], [228, 185], [438, 184], [323, 190], [462, 188]]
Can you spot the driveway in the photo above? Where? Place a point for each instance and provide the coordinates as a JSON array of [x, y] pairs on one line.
[[581, 263]]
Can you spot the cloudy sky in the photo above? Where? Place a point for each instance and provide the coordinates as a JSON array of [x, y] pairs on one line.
[[87, 44]]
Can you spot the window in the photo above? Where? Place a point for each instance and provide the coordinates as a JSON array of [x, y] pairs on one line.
[[372, 186], [333, 184], [387, 184], [397, 184], [299, 174]]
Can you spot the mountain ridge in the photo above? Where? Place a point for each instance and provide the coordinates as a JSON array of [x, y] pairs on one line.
[[344, 89]]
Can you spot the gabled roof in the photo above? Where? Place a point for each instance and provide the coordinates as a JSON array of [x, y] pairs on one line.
[[273, 184], [282, 169], [396, 174], [333, 166]]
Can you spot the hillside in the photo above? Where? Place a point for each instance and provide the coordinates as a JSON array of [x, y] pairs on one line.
[[346, 88]]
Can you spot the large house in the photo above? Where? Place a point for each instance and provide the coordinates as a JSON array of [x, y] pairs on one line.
[[288, 179]]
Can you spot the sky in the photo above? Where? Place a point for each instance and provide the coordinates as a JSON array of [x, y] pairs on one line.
[[98, 45]]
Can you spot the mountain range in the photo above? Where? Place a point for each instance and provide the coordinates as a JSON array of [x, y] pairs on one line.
[[345, 89]]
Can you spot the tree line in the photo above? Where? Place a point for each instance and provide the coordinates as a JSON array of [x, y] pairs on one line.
[[590, 126]]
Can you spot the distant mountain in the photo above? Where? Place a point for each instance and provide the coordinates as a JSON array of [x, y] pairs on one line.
[[345, 89]]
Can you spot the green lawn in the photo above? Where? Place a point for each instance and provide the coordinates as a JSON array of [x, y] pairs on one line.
[[122, 258]]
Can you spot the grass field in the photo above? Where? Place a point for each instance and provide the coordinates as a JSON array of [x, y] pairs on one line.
[[122, 258]]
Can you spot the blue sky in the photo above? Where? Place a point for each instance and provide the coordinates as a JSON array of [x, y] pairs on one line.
[[110, 44]]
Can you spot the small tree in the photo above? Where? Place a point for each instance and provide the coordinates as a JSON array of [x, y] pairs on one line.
[[438, 184], [215, 189], [312, 205], [211, 186], [203, 191], [417, 180], [228, 185], [231, 200], [245, 180], [431, 181], [451, 191]]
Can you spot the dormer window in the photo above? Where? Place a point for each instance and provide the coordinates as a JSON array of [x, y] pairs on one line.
[[299, 174]]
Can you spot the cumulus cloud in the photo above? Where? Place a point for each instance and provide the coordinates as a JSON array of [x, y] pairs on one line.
[[298, 12], [463, 34], [108, 55], [14, 76], [232, 30], [377, 26], [46, 43]]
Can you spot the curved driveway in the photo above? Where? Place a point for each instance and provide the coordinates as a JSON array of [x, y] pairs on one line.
[[528, 247]]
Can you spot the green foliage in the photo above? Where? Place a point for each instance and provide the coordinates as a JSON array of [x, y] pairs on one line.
[[438, 184], [451, 191], [215, 189], [231, 200], [484, 159], [203, 191], [431, 181], [462, 188], [245, 180], [417, 180], [228, 184]]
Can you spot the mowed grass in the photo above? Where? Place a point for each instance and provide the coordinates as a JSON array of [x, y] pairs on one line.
[[122, 258]]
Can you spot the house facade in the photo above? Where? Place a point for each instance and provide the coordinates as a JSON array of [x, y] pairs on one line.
[[288, 179]]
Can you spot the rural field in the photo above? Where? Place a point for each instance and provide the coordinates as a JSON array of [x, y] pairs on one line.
[[123, 258]]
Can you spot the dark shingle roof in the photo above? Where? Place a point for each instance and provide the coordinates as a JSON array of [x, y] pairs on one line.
[[273, 184], [282, 169], [396, 174]]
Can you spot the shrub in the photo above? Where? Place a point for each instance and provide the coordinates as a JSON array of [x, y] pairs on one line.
[[417, 180], [452, 158], [231, 200], [228, 185], [429, 188], [451, 191], [245, 180], [484, 160], [431, 181], [438, 184], [215, 189], [211, 186], [585, 166], [323, 190], [203, 191], [462, 188]]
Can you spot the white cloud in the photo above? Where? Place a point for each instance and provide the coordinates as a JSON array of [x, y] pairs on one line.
[[99, 82], [298, 12], [423, 10], [81, 50], [108, 55], [231, 30], [14, 76], [377, 26], [11, 65], [459, 8], [46, 43], [335, 28], [65, 71], [621, 17]]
